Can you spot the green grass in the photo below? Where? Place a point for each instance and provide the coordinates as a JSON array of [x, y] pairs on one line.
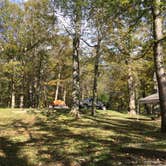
[[109, 138]]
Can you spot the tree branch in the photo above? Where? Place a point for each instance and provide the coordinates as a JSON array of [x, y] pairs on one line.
[[87, 43], [144, 53], [162, 39], [32, 46]]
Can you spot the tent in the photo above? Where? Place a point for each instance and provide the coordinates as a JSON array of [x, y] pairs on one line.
[[152, 99]]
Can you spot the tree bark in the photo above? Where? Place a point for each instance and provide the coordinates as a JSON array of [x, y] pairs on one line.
[[96, 74], [58, 83], [131, 87], [13, 93], [155, 83], [76, 83], [13, 96], [64, 95], [30, 91], [22, 91], [38, 88], [76, 66], [21, 101], [159, 60], [45, 96]]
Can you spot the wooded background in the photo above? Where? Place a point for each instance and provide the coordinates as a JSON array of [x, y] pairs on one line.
[[71, 50]]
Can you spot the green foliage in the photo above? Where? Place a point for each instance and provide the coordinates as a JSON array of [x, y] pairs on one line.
[[33, 48], [104, 98]]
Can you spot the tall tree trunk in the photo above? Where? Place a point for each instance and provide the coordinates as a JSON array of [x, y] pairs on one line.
[[159, 61], [35, 92], [30, 91], [64, 94], [58, 83], [38, 82], [13, 96], [13, 102], [21, 101], [155, 83], [45, 96], [22, 91], [96, 74], [131, 87], [76, 66], [82, 94], [76, 82]]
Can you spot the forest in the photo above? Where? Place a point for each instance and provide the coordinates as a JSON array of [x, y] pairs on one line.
[[110, 52]]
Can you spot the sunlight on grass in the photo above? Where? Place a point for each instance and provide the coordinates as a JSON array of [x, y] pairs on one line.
[[58, 137]]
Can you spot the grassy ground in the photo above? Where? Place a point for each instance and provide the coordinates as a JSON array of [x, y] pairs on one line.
[[109, 138]]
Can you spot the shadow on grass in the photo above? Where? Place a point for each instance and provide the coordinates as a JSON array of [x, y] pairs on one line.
[[8, 154], [90, 143], [148, 153], [123, 126], [65, 141]]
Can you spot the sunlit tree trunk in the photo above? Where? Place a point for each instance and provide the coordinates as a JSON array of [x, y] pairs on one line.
[[155, 82], [76, 80], [64, 95], [31, 103], [21, 101], [13, 96], [82, 93], [75, 57], [96, 74], [58, 84], [22, 91], [35, 92], [132, 95], [13, 93], [159, 61]]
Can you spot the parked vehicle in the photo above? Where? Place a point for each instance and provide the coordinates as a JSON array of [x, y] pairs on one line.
[[87, 103]]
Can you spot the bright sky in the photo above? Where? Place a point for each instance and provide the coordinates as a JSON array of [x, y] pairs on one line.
[[17, 1]]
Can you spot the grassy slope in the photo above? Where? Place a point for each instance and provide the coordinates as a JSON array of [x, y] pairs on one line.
[[110, 138]]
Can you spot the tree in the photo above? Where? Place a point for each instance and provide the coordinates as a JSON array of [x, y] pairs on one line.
[[159, 59], [11, 21], [27, 32], [76, 68], [100, 26], [129, 42], [60, 66], [74, 10]]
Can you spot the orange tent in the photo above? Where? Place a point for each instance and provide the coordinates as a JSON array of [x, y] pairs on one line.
[[58, 103]]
